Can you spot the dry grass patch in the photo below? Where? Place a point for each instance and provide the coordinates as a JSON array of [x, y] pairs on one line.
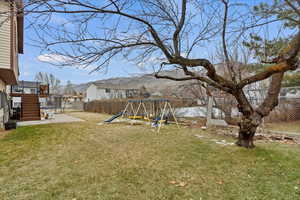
[[293, 126], [118, 161]]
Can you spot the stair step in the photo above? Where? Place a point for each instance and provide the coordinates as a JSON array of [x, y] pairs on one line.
[[28, 105], [30, 112], [31, 106], [36, 112], [30, 109], [30, 118]]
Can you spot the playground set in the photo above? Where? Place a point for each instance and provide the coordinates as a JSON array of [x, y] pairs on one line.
[[154, 111]]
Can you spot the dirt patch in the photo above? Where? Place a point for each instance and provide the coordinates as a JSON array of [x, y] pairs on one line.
[[199, 123], [3, 133], [260, 135]]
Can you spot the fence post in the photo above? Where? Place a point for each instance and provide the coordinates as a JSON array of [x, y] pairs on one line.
[[209, 111]]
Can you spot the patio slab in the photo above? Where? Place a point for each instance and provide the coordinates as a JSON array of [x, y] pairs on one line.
[[58, 118]]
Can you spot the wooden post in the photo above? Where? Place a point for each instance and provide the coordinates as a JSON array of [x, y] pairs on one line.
[[135, 114], [209, 111], [125, 110], [173, 113], [162, 116]]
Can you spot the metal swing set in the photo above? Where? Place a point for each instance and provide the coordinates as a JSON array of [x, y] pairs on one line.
[[155, 111]]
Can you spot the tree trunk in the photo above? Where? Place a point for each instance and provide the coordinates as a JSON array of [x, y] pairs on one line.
[[247, 130], [246, 139]]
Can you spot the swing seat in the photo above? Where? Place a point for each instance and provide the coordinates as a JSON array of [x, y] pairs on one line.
[[135, 117]]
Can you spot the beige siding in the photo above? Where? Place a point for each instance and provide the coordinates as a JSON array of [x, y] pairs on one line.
[[2, 86], [4, 36], [2, 89]]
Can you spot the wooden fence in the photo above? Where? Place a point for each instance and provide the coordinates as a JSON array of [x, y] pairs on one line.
[[114, 106], [287, 110]]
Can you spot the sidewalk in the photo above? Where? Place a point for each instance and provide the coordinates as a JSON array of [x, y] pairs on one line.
[[58, 118]]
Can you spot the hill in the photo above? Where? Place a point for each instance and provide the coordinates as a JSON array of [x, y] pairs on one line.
[[152, 84]]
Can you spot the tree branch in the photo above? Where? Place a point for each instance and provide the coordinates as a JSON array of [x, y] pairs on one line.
[[286, 61], [225, 51], [179, 28], [293, 7]]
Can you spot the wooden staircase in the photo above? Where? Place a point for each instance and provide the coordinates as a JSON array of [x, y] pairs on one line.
[[30, 107]]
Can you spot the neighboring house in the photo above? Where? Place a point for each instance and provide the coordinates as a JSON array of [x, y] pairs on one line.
[[11, 44], [98, 91], [79, 97]]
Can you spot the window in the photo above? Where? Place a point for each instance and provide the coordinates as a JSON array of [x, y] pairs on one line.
[[107, 90]]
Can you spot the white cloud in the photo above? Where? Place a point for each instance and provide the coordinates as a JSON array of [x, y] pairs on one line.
[[54, 58], [57, 59]]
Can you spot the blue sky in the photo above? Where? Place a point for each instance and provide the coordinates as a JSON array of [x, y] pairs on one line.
[[30, 63]]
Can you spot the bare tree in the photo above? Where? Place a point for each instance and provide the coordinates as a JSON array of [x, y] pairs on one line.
[[69, 89], [50, 79], [177, 34]]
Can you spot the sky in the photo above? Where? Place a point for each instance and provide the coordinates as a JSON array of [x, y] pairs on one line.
[[31, 62]]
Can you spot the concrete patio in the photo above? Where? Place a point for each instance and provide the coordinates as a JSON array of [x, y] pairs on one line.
[[58, 118]]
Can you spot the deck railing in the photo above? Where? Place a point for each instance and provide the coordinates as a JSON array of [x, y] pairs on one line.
[[26, 87]]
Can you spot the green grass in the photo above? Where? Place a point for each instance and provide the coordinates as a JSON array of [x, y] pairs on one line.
[[87, 161], [293, 126]]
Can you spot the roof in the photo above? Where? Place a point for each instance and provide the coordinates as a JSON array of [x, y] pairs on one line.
[[113, 86]]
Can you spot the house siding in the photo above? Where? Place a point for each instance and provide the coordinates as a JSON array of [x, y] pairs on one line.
[[95, 93], [91, 93], [3, 115], [9, 70], [2, 89], [5, 33], [2, 86], [1, 118]]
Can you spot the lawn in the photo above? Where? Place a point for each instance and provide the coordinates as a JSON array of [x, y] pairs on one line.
[[293, 126], [117, 161]]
